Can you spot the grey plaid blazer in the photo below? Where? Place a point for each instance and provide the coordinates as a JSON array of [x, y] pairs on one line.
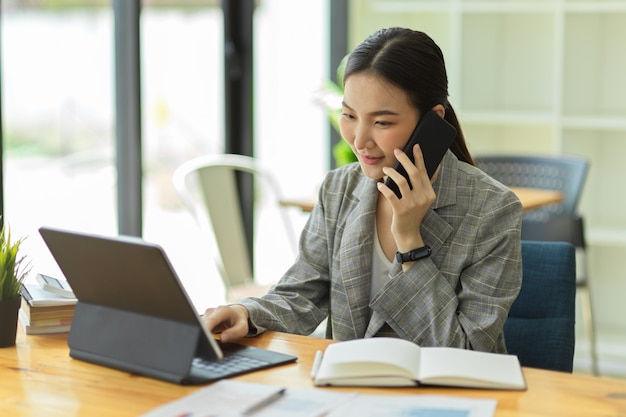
[[458, 297]]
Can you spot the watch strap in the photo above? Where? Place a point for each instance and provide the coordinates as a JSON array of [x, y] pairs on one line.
[[413, 255]]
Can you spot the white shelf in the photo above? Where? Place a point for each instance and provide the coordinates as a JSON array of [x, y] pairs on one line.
[[499, 118], [606, 237], [538, 76], [531, 76], [595, 123], [508, 6], [407, 6], [499, 58], [495, 6], [585, 6]]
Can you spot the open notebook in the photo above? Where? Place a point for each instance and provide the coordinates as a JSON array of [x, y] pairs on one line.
[[133, 313]]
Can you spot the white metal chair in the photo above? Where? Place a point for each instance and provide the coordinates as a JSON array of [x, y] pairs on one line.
[[208, 187]]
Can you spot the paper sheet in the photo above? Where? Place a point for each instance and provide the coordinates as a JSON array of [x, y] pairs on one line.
[[415, 406], [228, 398]]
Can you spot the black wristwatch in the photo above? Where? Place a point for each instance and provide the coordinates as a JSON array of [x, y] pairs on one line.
[[413, 255]]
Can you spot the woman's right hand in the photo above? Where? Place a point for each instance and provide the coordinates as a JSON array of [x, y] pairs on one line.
[[231, 321]]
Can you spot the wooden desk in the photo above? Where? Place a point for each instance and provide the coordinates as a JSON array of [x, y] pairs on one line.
[[38, 378], [531, 198]]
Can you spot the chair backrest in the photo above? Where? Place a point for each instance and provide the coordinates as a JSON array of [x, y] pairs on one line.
[[540, 326], [208, 187], [565, 228], [562, 173]]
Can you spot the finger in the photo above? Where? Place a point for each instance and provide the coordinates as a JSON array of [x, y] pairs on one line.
[[413, 169], [237, 331], [216, 319], [409, 168], [386, 191], [398, 179], [419, 158], [403, 158], [419, 176]]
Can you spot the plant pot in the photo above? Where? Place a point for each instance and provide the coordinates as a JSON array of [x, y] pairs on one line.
[[9, 310]]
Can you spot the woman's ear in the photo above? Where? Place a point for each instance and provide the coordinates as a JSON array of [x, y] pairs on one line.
[[440, 110]]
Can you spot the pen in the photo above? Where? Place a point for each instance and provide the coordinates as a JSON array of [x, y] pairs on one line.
[[316, 363], [263, 403]]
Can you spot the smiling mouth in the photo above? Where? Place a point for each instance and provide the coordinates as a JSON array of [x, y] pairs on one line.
[[370, 160]]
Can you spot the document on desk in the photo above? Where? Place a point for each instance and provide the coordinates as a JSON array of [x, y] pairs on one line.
[[373, 405], [228, 398]]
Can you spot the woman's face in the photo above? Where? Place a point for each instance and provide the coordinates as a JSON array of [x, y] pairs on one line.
[[377, 118]]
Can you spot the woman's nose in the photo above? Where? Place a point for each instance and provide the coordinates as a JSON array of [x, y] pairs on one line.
[[363, 139]]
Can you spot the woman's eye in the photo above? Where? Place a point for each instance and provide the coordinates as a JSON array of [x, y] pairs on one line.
[[383, 123], [347, 116]]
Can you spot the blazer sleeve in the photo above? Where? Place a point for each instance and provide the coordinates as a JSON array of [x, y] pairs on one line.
[[300, 299]]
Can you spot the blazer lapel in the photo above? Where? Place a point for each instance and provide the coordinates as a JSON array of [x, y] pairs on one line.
[[435, 230], [357, 248], [356, 259]]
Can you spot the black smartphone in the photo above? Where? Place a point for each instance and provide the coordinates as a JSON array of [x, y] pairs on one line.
[[434, 135]]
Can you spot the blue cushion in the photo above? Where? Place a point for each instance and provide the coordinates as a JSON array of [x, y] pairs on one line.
[[540, 326]]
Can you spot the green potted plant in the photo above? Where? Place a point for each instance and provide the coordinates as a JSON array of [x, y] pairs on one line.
[[13, 270], [330, 98]]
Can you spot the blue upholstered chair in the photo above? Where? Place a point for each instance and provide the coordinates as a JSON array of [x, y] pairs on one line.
[[554, 222], [570, 228], [540, 326]]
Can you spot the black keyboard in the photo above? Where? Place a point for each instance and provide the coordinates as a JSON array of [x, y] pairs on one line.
[[238, 359], [230, 365]]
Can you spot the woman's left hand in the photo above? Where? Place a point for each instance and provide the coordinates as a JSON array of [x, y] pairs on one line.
[[409, 211]]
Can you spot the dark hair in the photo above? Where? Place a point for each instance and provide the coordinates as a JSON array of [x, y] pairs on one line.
[[412, 61]]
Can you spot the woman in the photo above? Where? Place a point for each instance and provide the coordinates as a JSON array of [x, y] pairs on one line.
[[462, 227]]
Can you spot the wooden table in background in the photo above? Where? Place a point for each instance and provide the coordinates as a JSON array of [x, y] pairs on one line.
[[38, 378], [531, 198]]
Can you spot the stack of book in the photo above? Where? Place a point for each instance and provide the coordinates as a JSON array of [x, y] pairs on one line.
[[44, 311]]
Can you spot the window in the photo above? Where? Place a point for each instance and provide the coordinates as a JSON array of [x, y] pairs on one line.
[[59, 127]]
